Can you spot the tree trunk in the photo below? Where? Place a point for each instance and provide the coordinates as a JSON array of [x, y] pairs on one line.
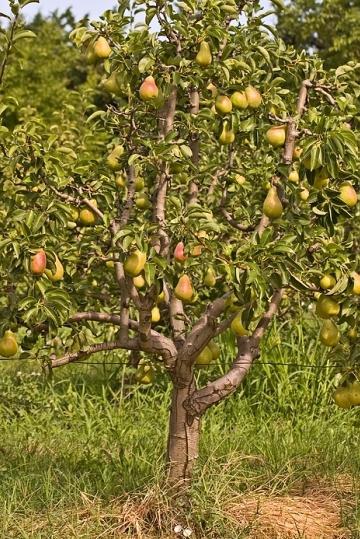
[[183, 441]]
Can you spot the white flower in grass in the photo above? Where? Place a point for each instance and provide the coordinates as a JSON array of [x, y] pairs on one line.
[[178, 529], [187, 532]]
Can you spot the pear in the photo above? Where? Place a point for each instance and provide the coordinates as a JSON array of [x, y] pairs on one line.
[[215, 350], [237, 326], [348, 194], [161, 297], [213, 89], [38, 263], [240, 179], [184, 290], [87, 217], [196, 250], [354, 394], [227, 135], [329, 334], [356, 287], [8, 344], [276, 135], [253, 97], [179, 252], [327, 307], [139, 184], [321, 179], [210, 278], [148, 89], [203, 57], [90, 56], [142, 201], [135, 263], [113, 157], [327, 281], [120, 180], [58, 275], [272, 206], [304, 194], [139, 281], [205, 357], [294, 176], [155, 314], [101, 48], [111, 84], [239, 100], [297, 152], [353, 334], [110, 264], [342, 397], [223, 104], [145, 374]]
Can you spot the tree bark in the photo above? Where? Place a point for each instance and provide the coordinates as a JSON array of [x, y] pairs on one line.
[[183, 441]]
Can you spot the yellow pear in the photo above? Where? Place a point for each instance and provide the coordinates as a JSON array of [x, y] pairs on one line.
[[8, 344], [276, 135], [327, 281], [321, 179], [297, 152], [272, 206], [161, 297], [227, 135], [204, 57], [304, 194], [348, 194], [215, 350], [356, 287], [101, 48], [139, 281], [58, 274], [253, 97], [326, 307], [145, 374], [240, 179], [354, 394], [155, 314], [237, 326], [148, 89], [210, 278], [239, 100], [342, 397], [329, 334], [87, 217], [135, 263], [223, 104], [294, 176], [184, 289], [205, 357]]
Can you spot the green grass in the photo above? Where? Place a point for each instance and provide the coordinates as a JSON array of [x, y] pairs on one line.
[[87, 438]]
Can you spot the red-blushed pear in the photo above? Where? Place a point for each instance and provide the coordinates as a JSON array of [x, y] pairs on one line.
[[38, 263], [342, 397], [184, 289], [329, 333], [327, 281], [272, 206], [276, 135], [238, 327], [327, 307], [253, 97], [8, 345], [204, 57], [155, 314], [179, 252], [227, 135], [356, 286], [348, 194], [239, 100], [58, 274], [148, 89], [223, 104], [139, 281], [205, 357], [135, 263], [215, 350], [294, 176], [354, 394], [210, 278], [101, 48]]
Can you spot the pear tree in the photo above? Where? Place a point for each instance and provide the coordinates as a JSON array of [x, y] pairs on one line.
[[216, 186]]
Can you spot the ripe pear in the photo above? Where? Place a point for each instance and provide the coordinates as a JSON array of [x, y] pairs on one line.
[[87, 217], [223, 104], [155, 314], [253, 97], [227, 135], [327, 281], [304, 194], [272, 206], [321, 178], [142, 201], [348, 194], [148, 89], [329, 334], [111, 84], [356, 287], [215, 350], [179, 252], [237, 326], [58, 274], [205, 357], [184, 289], [135, 263], [354, 394], [38, 263], [8, 344], [239, 100], [342, 397], [139, 281], [276, 135], [204, 57], [145, 374], [101, 48], [294, 176], [327, 307], [210, 278]]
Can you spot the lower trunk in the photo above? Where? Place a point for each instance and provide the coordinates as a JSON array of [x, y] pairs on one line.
[[183, 442]]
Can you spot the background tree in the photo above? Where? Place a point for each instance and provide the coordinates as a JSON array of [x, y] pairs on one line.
[[178, 214]]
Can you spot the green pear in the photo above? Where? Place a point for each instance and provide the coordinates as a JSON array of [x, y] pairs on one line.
[[356, 286], [8, 345], [327, 281], [239, 100], [184, 289], [111, 84], [329, 334], [276, 135], [145, 374], [203, 57], [87, 217], [272, 206], [139, 281], [215, 350], [327, 307], [101, 48], [210, 278], [321, 179], [294, 176], [223, 105], [227, 135], [142, 201], [304, 194], [205, 357], [58, 274], [135, 263], [342, 397], [237, 326], [114, 156], [253, 97], [354, 394], [348, 194]]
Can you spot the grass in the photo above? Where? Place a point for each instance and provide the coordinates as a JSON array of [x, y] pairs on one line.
[[83, 454]]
